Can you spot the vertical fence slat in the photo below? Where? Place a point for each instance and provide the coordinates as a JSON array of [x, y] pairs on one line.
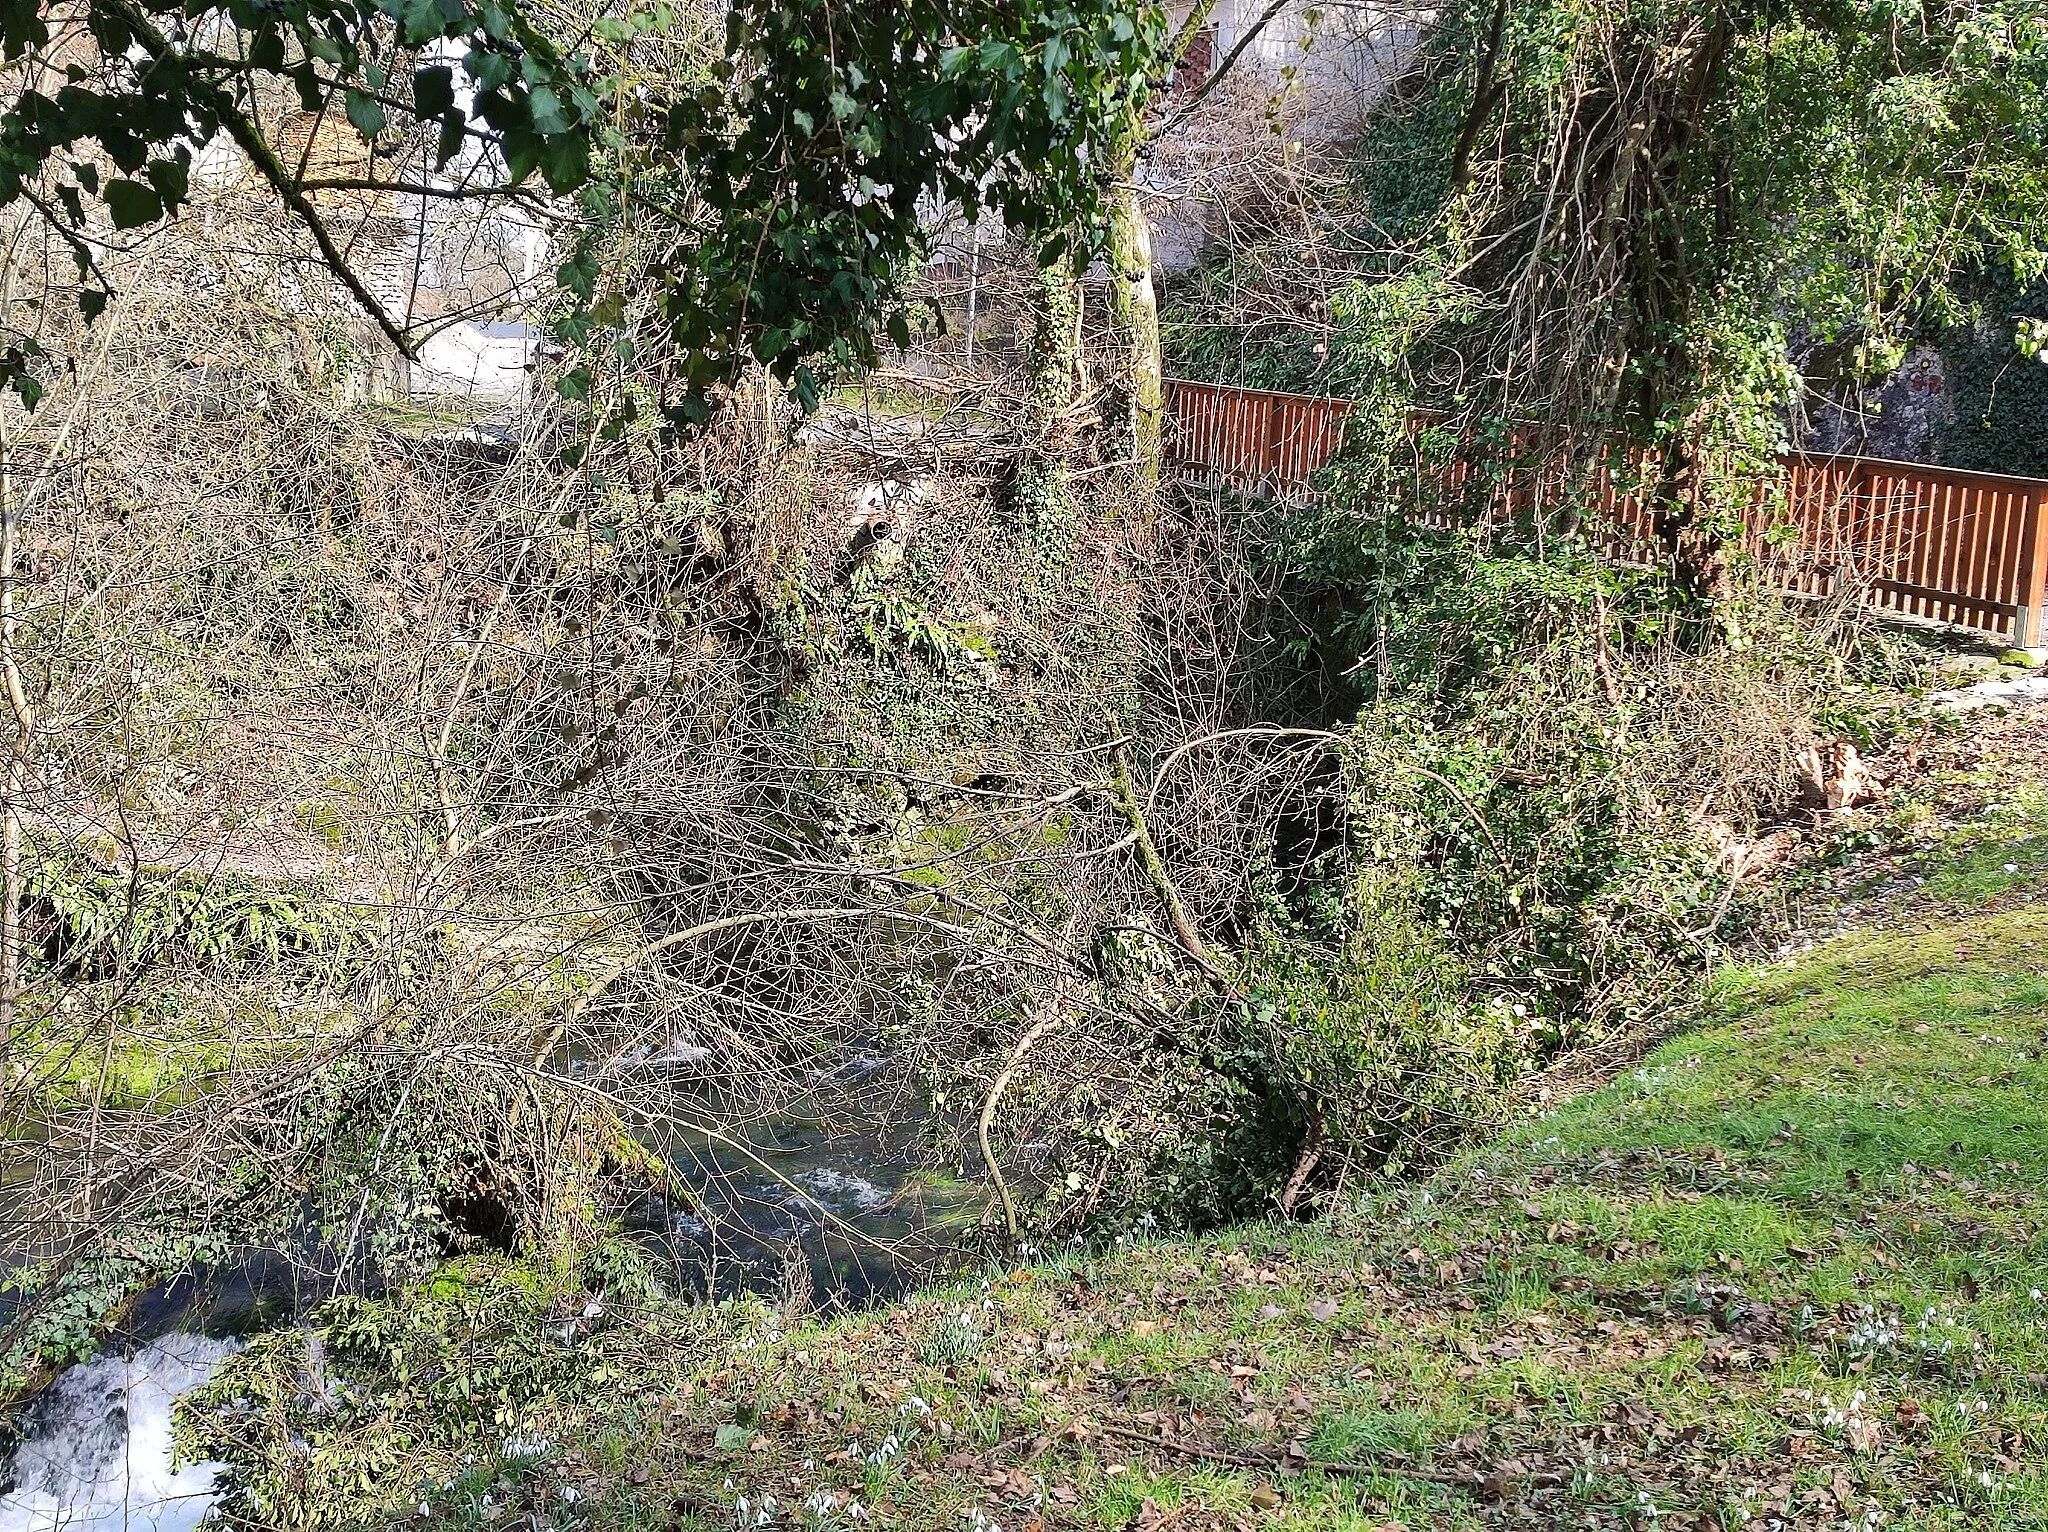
[[2000, 567], [1940, 526], [1965, 575], [1977, 576], [1937, 504], [2013, 559]]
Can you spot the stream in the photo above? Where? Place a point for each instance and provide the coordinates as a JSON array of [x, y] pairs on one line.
[[96, 1451], [840, 1211]]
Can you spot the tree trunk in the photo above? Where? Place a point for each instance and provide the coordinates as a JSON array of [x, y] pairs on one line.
[[1137, 429], [17, 762], [1693, 534], [1044, 479], [1685, 525]]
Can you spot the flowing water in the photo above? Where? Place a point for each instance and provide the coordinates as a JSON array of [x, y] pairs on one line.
[[842, 1214], [798, 1206], [96, 1452]]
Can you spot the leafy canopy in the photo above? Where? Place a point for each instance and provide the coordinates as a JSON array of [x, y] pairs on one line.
[[1657, 204], [778, 193]]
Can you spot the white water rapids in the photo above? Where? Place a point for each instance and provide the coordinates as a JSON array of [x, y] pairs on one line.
[[95, 1455]]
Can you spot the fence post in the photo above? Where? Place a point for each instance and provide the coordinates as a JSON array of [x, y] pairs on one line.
[[2029, 630]]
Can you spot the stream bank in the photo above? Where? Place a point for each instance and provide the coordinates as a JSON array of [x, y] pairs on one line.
[[1653, 1304], [814, 1218]]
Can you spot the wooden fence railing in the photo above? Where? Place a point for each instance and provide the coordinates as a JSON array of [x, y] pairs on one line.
[[1941, 544]]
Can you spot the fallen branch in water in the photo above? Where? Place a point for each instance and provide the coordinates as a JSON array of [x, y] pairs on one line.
[[988, 1112]]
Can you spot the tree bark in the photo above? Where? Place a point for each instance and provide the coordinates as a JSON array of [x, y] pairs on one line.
[[1685, 525], [1138, 434], [1486, 95], [1044, 480], [24, 729], [17, 760], [1685, 517]]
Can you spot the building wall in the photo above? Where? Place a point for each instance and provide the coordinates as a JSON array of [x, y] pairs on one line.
[[1321, 66], [1340, 54]]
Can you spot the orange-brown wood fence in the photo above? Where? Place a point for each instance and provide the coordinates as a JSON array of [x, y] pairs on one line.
[[1941, 544]]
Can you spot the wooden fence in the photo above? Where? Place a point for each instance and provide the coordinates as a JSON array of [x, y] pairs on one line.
[[1939, 544]]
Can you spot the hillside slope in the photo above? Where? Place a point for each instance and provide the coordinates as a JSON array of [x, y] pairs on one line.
[[1790, 1269], [1787, 1272]]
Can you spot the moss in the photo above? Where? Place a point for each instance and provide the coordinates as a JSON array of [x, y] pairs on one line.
[[323, 821], [159, 1052]]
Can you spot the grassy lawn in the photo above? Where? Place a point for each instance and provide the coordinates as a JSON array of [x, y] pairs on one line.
[[1787, 1272]]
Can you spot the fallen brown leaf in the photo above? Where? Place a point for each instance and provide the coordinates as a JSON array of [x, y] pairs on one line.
[[1844, 1493]]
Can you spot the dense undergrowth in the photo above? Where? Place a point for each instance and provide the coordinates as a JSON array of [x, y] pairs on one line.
[[1550, 784], [1497, 827], [1787, 1270], [446, 849]]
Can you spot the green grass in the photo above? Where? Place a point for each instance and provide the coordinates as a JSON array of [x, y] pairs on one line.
[[2006, 855], [1788, 1266], [1995, 850]]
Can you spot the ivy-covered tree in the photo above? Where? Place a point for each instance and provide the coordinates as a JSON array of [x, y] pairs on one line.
[[1658, 205], [777, 184]]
